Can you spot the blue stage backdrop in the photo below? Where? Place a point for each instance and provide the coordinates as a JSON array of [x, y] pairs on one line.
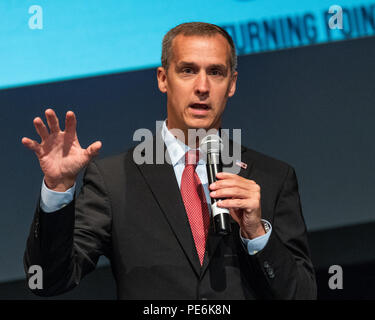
[[47, 40]]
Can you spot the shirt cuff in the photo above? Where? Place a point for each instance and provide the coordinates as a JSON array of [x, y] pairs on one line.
[[51, 201], [257, 244]]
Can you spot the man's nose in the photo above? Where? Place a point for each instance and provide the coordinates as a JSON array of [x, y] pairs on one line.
[[202, 85]]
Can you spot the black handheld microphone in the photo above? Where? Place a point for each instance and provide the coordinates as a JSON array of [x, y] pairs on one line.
[[212, 145]]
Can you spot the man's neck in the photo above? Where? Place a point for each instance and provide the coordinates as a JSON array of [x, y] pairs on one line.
[[188, 136]]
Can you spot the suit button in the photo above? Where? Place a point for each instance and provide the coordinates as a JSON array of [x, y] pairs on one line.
[[204, 299], [271, 274], [36, 230], [269, 270]]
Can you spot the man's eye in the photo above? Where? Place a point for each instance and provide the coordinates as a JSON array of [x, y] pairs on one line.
[[216, 72], [187, 70]]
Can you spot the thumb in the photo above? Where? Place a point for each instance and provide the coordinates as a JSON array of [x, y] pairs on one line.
[[93, 149]]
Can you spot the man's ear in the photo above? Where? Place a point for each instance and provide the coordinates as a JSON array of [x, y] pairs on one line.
[[161, 74], [232, 86]]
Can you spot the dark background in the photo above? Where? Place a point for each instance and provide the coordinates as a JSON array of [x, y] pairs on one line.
[[312, 107]]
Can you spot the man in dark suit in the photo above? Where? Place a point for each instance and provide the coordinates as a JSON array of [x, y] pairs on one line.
[[153, 221]]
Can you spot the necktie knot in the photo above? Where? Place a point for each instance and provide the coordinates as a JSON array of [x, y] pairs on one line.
[[192, 157]]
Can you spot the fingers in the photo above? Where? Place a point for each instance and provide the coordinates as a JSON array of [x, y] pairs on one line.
[[226, 175], [40, 128], [53, 123], [231, 176], [232, 203], [235, 182], [93, 149], [52, 120], [32, 145], [70, 123], [237, 192], [234, 192], [248, 204]]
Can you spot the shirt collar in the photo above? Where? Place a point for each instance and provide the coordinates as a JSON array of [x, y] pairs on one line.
[[176, 148]]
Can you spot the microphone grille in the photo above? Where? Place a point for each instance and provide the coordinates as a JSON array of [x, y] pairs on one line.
[[211, 144]]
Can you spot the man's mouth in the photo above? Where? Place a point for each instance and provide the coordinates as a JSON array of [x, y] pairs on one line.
[[200, 106]]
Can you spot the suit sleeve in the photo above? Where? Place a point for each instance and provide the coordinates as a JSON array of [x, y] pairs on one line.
[[283, 268], [68, 243]]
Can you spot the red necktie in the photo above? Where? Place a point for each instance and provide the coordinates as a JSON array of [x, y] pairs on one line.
[[194, 200]]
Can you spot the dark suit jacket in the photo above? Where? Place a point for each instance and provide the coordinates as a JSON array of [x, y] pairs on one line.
[[134, 215]]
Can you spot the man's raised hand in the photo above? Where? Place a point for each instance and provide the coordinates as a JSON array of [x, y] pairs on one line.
[[60, 155]]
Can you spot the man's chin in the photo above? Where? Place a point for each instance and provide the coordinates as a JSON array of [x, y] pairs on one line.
[[201, 124]]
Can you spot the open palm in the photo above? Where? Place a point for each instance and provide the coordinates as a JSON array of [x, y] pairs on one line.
[[60, 155]]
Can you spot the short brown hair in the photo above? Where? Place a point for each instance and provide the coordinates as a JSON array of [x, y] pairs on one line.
[[195, 29]]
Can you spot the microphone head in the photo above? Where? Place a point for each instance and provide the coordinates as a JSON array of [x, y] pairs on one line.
[[211, 143]]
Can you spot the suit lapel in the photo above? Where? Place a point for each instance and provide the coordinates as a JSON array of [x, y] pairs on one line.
[[163, 184]]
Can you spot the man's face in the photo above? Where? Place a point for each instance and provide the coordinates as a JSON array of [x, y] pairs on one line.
[[198, 82]]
